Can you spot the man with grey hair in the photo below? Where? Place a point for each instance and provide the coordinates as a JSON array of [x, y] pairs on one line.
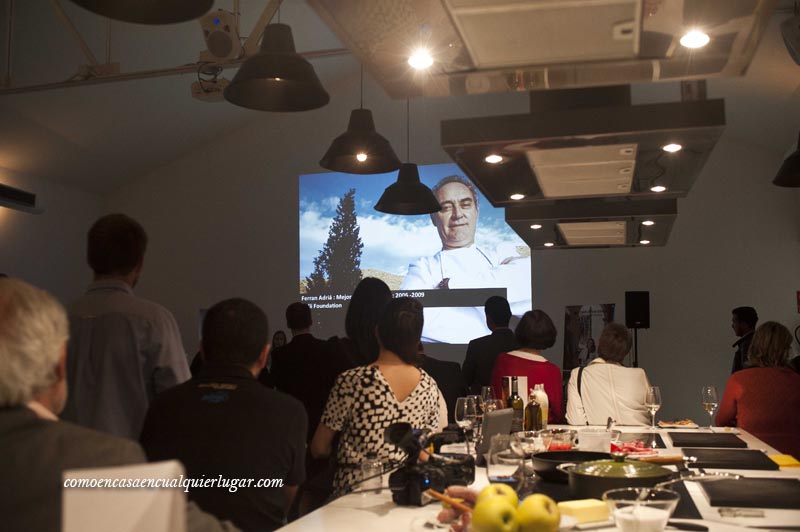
[[462, 264], [37, 448], [123, 349]]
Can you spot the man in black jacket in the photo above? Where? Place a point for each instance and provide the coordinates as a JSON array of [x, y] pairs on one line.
[[482, 352], [743, 321]]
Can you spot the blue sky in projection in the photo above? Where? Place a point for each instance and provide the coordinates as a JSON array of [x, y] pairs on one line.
[[391, 242]]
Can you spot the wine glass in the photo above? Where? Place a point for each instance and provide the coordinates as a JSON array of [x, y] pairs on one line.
[[710, 401], [465, 413], [504, 463], [652, 402], [477, 414]]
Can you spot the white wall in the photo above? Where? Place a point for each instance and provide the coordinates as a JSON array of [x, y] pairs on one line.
[[48, 249], [223, 222]]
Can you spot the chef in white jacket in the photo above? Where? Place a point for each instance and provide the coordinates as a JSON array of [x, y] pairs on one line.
[[462, 264]]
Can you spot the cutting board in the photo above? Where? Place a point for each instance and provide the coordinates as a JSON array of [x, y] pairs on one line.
[[782, 493], [730, 459], [706, 439]]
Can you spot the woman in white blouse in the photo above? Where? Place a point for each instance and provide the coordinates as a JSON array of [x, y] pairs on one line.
[[605, 388]]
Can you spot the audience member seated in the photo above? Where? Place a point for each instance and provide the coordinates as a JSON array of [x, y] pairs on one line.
[[764, 398], [449, 379], [224, 422], [482, 352], [605, 388], [306, 367], [534, 332], [367, 399], [123, 350], [37, 447], [369, 299]]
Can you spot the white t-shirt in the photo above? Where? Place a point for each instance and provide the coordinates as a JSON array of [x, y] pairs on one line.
[[607, 389]]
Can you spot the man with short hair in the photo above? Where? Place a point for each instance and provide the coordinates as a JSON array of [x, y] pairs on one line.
[[743, 321], [306, 368], [223, 422], [36, 447], [123, 350], [482, 352], [463, 264]]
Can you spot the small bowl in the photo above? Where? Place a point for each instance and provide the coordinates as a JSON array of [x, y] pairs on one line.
[[534, 441], [561, 439], [635, 509]]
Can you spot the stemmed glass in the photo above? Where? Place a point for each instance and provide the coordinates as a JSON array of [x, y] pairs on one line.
[[652, 402], [477, 422], [465, 414], [710, 401]]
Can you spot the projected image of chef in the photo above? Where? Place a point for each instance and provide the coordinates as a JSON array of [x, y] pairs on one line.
[[461, 263]]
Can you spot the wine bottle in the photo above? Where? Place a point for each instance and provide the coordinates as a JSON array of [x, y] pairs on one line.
[[515, 401], [533, 415], [544, 403]]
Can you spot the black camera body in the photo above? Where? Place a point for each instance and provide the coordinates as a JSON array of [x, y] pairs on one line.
[[410, 481], [415, 477]]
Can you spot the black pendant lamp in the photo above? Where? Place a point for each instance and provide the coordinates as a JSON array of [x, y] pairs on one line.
[[148, 11], [360, 149], [789, 172], [408, 195], [277, 78]]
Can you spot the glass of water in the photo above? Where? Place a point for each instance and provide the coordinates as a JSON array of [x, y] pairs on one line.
[[652, 402], [710, 400]]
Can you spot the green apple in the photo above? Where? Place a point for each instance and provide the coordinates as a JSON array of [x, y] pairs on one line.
[[498, 490], [538, 513], [494, 514]]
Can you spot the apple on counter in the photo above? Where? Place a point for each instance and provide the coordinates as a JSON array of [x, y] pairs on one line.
[[496, 510]]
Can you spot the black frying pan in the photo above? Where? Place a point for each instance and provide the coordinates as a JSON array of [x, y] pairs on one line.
[[545, 464]]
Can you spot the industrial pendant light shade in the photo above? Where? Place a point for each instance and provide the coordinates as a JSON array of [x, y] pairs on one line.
[[360, 149], [148, 11], [408, 195], [277, 78], [789, 173]]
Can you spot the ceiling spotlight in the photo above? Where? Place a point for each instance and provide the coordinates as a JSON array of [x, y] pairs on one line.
[[420, 59], [548, 244], [672, 148], [493, 158], [695, 39], [658, 188], [516, 197], [648, 222], [361, 157], [536, 226], [644, 242]]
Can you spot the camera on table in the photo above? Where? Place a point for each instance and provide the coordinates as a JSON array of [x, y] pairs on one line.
[[415, 477]]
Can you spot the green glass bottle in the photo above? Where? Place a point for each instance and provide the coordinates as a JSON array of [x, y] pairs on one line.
[[515, 401], [533, 415]]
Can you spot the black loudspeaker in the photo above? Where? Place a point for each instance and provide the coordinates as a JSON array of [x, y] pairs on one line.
[[637, 310]]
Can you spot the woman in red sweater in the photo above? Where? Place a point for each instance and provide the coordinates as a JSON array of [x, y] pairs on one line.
[[764, 398], [534, 332]]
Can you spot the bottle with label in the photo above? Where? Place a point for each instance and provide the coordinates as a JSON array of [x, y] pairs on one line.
[[515, 401], [371, 474], [544, 403], [533, 415]]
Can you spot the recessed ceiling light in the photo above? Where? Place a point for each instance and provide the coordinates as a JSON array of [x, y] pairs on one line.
[[672, 148], [493, 158], [695, 39], [361, 157], [658, 188], [517, 196], [648, 222], [548, 244], [536, 226], [420, 59], [644, 242]]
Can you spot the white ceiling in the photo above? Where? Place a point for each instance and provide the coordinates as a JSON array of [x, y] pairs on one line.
[[99, 137]]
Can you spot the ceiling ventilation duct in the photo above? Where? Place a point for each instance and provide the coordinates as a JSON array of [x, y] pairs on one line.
[[481, 46]]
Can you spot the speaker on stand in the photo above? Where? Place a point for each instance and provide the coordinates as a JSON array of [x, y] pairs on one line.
[[637, 316]]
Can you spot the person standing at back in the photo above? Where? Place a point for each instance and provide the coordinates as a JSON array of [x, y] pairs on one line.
[[482, 352], [123, 350], [306, 367], [743, 321]]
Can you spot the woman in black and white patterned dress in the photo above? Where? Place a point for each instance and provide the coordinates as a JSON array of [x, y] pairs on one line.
[[366, 400]]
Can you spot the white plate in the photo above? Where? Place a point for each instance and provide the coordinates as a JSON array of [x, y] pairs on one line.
[[567, 522]]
